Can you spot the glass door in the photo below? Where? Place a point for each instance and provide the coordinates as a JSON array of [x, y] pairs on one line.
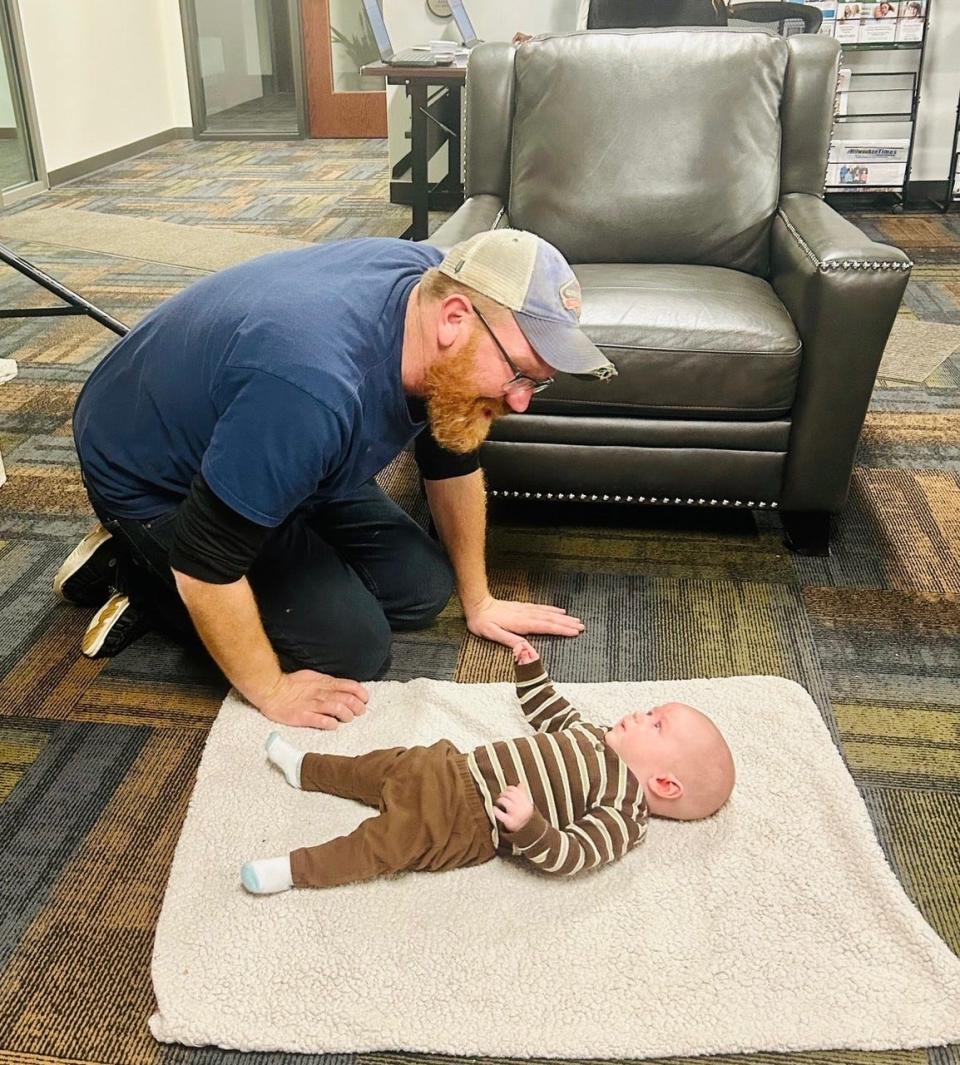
[[244, 67], [19, 173]]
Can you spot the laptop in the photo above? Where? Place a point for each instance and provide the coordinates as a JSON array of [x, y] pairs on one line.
[[409, 57], [464, 25]]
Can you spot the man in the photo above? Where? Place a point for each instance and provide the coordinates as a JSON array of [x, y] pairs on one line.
[[229, 442]]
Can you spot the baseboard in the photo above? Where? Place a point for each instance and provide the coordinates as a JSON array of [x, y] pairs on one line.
[[117, 155]]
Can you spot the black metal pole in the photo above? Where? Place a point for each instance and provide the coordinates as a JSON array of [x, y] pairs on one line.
[[52, 285]]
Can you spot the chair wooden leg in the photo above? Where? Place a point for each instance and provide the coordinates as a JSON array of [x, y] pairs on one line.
[[807, 532]]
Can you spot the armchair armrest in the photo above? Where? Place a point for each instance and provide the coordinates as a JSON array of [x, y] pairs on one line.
[[474, 216], [842, 291]]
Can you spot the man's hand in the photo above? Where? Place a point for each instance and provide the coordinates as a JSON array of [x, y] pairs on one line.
[[521, 38], [307, 699], [513, 808], [507, 622]]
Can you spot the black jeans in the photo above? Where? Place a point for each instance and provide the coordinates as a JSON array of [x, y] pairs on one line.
[[331, 582]]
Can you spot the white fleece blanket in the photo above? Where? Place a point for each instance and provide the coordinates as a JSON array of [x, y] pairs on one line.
[[777, 925]]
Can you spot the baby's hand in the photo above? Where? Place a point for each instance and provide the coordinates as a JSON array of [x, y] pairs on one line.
[[523, 653], [513, 808]]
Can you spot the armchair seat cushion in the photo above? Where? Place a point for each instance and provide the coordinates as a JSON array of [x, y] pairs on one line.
[[700, 341]]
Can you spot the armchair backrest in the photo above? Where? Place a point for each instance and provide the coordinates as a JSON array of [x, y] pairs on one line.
[[667, 145]]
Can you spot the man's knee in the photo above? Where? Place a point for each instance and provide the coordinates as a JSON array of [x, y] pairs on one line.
[[357, 647], [428, 594]]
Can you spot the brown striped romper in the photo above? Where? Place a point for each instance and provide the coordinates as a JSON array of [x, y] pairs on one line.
[[436, 804]]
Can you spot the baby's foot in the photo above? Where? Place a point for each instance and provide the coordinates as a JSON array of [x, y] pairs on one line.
[[284, 756], [267, 876]]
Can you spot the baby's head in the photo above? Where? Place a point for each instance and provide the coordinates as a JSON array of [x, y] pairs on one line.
[[680, 758]]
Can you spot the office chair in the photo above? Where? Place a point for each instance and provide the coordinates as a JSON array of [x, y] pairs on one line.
[[636, 14], [783, 18]]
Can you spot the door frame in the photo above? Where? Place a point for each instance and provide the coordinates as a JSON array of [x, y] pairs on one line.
[[24, 106], [198, 111], [334, 114]]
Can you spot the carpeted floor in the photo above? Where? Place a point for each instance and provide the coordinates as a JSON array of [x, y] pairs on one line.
[[97, 759]]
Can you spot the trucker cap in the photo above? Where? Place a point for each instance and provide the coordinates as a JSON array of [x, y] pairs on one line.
[[528, 275]]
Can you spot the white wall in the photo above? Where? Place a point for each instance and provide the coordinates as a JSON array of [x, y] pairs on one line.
[[410, 23], [105, 73], [941, 87]]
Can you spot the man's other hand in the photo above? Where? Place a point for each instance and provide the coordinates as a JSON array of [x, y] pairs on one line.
[[504, 621]]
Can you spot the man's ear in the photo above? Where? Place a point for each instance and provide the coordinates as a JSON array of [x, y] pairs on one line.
[[665, 787], [453, 319]]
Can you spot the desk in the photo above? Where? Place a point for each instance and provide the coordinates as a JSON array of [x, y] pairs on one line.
[[427, 131]]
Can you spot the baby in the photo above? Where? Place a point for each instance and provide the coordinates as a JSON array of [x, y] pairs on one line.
[[570, 797]]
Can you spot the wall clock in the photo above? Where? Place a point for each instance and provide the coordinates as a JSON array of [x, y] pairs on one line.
[[440, 8]]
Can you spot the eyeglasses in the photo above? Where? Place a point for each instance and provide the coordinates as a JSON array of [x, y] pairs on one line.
[[520, 382]]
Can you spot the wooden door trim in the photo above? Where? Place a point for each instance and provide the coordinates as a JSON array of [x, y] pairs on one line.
[[341, 114]]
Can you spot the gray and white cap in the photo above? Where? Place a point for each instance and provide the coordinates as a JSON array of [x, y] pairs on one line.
[[528, 275]]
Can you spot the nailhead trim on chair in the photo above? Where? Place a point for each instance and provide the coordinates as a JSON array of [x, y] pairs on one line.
[[841, 264], [864, 264], [584, 497]]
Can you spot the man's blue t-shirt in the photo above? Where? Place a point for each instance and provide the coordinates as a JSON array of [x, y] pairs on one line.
[[277, 379]]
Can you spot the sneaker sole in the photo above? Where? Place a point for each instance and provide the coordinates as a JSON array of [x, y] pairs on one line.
[[102, 624], [74, 562]]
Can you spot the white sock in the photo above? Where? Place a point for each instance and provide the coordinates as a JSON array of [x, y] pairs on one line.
[[266, 876], [284, 756]]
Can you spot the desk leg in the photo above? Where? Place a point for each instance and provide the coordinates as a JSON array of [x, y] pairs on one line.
[[418, 158]]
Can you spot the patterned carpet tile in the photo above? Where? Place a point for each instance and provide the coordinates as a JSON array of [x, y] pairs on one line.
[[125, 289], [637, 541], [45, 488], [641, 628], [46, 821], [44, 672], [920, 829], [20, 745], [929, 239], [297, 190], [893, 744], [919, 427], [939, 393], [933, 301], [899, 530], [888, 648], [100, 912]]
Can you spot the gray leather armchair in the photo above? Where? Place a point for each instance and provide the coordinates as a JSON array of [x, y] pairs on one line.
[[681, 172]]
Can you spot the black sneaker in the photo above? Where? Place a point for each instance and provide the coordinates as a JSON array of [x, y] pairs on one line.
[[114, 626], [88, 575]]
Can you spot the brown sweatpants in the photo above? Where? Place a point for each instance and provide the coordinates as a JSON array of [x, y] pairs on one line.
[[431, 815]]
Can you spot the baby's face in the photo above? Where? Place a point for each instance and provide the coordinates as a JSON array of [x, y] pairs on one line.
[[673, 746], [661, 733]]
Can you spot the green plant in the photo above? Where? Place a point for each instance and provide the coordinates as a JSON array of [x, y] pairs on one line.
[[361, 48]]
